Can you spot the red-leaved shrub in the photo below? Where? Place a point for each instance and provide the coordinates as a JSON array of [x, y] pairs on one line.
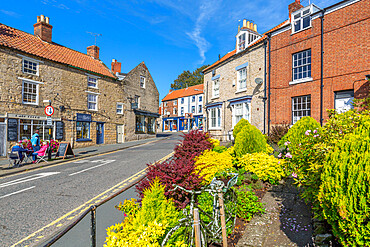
[[177, 171], [193, 145]]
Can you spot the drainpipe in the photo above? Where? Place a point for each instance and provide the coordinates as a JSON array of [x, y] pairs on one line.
[[264, 92], [269, 82], [322, 68], [205, 119]]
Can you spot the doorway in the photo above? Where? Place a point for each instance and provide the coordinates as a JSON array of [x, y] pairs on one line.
[[99, 133], [2, 139], [120, 133]]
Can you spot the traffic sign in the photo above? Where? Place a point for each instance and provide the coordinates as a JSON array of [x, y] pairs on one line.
[[49, 110], [49, 121]]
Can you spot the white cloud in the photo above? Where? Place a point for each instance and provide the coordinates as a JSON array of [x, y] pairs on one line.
[[9, 13]]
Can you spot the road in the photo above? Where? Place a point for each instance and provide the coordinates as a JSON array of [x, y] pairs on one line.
[[45, 200]]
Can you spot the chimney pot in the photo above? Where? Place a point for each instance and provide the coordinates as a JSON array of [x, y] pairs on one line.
[[116, 66], [244, 23], [248, 24], [294, 7], [43, 29], [255, 27]]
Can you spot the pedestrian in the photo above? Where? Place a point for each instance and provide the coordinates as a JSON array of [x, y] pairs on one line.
[[35, 141]]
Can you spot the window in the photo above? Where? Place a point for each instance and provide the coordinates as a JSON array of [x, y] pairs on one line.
[[174, 111], [136, 102], [216, 88], [193, 109], [240, 111], [140, 124], [200, 98], [92, 82], [142, 81], [302, 65], [301, 19], [119, 109], [175, 102], [215, 116], [151, 125], [92, 102], [83, 130], [30, 67], [242, 79], [343, 101], [182, 111], [30, 93], [241, 42], [200, 109], [301, 107], [193, 99], [182, 100], [165, 103]]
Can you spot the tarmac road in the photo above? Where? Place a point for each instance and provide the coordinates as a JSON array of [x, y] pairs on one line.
[[37, 203]]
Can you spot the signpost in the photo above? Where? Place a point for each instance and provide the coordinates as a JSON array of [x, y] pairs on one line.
[[49, 111]]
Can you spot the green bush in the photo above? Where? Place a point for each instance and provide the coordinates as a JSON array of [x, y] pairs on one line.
[[239, 126], [247, 203], [219, 149], [345, 191], [250, 140], [145, 225], [298, 132]]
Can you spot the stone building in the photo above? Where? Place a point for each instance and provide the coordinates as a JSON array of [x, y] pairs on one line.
[[142, 98], [319, 60], [235, 85], [88, 99], [182, 110]]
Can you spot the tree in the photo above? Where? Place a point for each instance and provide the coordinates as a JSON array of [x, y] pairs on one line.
[[188, 79]]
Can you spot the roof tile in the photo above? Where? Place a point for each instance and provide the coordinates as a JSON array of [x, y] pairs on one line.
[[189, 91]]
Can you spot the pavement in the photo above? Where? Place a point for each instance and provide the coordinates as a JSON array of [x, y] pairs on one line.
[[85, 152], [287, 221]]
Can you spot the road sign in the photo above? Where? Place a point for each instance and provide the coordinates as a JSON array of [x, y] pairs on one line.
[[49, 121], [49, 110]]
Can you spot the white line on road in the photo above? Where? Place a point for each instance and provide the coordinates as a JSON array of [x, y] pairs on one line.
[[104, 163], [27, 179], [81, 161], [17, 192]]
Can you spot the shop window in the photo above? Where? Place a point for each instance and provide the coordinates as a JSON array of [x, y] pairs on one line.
[[83, 131], [140, 124]]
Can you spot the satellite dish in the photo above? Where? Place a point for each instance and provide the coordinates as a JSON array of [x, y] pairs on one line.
[[258, 81]]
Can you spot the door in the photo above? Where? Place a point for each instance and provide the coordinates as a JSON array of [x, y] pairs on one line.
[[2, 139], [120, 134], [99, 133]]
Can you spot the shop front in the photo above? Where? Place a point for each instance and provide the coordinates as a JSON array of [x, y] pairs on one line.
[[145, 122], [170, 124]]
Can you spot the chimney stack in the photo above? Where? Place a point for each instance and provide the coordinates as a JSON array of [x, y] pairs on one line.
[[116, 66], [294, 7], [43, 29], [93, 51]]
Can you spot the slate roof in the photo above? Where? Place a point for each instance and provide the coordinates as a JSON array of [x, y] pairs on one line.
[[31, 44], [193, 90]]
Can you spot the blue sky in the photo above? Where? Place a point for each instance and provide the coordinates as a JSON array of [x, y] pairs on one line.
[[169, 36]]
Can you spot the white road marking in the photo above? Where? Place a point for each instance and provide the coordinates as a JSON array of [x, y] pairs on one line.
[[17, 192], [93, 167], [27, 179], [81, 161]]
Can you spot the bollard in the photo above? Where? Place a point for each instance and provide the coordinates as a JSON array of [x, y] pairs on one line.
[[93, 226]]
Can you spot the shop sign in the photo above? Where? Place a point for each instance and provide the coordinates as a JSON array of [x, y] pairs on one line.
[[23, 116], [83, 117]]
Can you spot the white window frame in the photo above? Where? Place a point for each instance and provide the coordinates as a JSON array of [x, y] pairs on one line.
[[299, 109], [119, 106], [241, 42], [215, 122], [240, 80], [216, 90], [307, 66], [24, 80], [193, 98], [174, 111], [299, 16], [30, 60], [245, 110], [199, 108], [142, 81], [91, 84], [182, 111], [93, 102]]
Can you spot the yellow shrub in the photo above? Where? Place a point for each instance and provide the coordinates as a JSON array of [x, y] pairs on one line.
[[214, 142], [211, 162], [266, 167]]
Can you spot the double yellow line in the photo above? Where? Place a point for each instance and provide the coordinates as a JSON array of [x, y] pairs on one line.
[[89, 203]]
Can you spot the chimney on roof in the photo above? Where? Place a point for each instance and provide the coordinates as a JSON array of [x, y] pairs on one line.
[[93, 51], [294, 7], [43, 29], [250, 25], [116, 66]]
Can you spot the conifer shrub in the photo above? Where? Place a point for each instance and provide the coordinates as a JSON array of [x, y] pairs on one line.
[[177, 171], [145, 225], [298, 131], [239, 126], [211, 162], [266, 167], [345, 192], [250, 140], [193, 145]]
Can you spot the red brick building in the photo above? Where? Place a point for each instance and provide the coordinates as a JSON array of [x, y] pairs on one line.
[[319, 59]]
